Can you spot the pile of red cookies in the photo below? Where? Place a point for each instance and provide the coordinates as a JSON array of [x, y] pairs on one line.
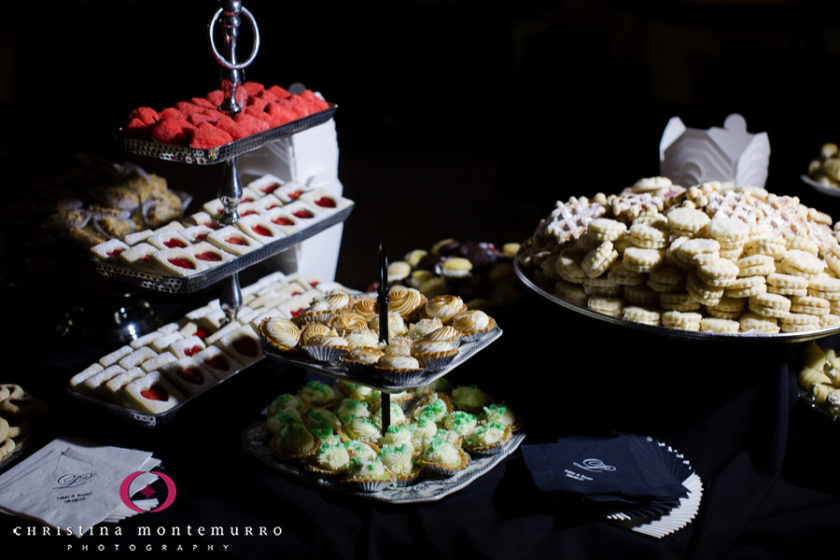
[[198, 123]]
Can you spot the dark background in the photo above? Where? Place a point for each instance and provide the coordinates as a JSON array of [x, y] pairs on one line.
[[487, 111]]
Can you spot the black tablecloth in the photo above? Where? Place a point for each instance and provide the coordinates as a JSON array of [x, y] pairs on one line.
[[770, 490]]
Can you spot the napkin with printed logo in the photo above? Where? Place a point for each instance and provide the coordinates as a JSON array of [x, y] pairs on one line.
[[74, 485], [643, 484]]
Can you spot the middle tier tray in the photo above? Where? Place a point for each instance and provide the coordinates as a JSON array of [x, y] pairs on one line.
[[188, 284], [380, 379]]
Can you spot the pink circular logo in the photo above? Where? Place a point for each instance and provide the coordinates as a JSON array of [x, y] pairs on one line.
[[148, 491]]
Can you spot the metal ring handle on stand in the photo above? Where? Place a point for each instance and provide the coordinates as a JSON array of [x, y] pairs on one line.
[[219, 58]]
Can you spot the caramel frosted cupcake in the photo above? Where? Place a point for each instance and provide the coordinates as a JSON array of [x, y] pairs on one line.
[[396, 325], [469, 398], [444, 307], [366, 306], [282, 334], [487, 438], [365, 338], [406, 301], [326, 348], [324, 307], [473, 323], [311, 330], [421, 328], [330, 460], [444, 458], [346, 322], [433, 354], [368, 476], [444, 334], [399, 368]]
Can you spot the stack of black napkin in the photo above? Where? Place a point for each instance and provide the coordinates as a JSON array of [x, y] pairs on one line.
[[634, 481]]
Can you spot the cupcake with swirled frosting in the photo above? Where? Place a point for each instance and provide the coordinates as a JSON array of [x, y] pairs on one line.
[[398, 368], [287, 401], [434, 354], [327, 348], [396, 434], [396, 325], [399, 460], [330, 459], [444, 458], [362, 338], [444, 307], [324, 307], [397, 415], [282, 334], [317, 394], [365, 305], [444, 334], [313, 330], [469, 398], [296, 442], [406, 301], [419, 329], [365, 451], [347, 322], [368, 476], [363, 429], [473, 323], [359, 391], [361, 358], [320, 417], [502, 414], [282, 420], [461, 422], [423, 430], [487, 438], [351, 408]]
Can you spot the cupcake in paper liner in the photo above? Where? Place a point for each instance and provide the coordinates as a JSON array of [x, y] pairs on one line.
[[443, 458], [487, 439], [320, 418], [434, 406], [309, 331], [285, 401], [501, 414], [365, 305], [328, 435], [399, 459], [318, 394], [444, 307], [434, 355], [419, 329], [408, 302], [461, 422], [398, 369], [281, 334], [359, 391], [368, 476], [350, 408], [362, 450], [362, 429], [362, 359], [296, 442], [473, 324], [324, 308], [397, 434], [469, 398], [363, 338], [282, 420], [330, 460], [423, 431], [329, 348], [444, 334]]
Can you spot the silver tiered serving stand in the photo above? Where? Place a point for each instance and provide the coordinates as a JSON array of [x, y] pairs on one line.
[[229, 16]]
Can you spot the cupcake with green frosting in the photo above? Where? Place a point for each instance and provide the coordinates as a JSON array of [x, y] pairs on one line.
[[351, 408], [444, 458], [368, 476], [399, 460], [461, 422], [316, 393], [295, 442], [469, 398], [286, 401], [501, 414], [329, 459], [282, 420], [363, 429], [487, 438]]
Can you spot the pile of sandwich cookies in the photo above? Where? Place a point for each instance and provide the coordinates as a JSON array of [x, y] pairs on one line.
[[269, 210], [711, 258], [335, 432], [18, 409], [164, 368]]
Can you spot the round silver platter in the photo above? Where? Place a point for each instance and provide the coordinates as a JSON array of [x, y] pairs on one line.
[[817, 186], [803, 336]]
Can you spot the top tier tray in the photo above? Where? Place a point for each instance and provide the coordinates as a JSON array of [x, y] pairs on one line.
[[803, 336], [210, 156]]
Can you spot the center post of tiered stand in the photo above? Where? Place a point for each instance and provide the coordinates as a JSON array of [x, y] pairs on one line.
[[230, 191], [384, 396]]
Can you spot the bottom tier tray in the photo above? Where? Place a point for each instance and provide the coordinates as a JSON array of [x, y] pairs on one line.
[[255, 444]]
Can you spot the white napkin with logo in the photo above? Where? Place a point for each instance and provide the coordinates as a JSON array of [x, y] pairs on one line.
[[74, 486]]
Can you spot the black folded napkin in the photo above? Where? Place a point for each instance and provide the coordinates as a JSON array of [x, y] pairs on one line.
[[624, 468], [632, 481]]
